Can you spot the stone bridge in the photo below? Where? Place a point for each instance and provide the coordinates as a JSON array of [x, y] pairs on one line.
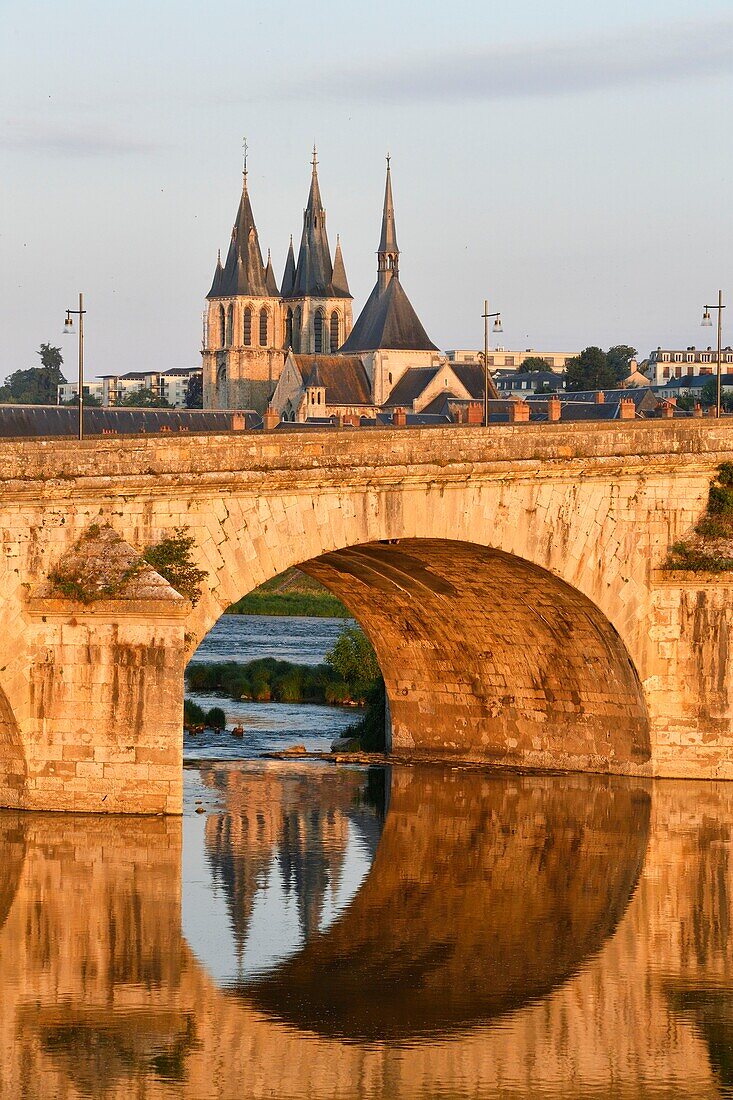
[[510, 580]]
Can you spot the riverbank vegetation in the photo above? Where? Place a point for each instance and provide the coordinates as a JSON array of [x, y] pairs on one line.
[[291, 593], [709, 549], [349, 676]]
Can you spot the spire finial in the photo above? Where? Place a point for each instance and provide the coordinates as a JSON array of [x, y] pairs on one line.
[[389, 158], [245, 149], [314, 162]]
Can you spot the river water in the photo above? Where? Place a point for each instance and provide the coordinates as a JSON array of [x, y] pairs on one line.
[[310, 931]]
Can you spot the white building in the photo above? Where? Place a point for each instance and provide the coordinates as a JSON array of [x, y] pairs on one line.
[[666, 363], [112, 389], [501, 359]]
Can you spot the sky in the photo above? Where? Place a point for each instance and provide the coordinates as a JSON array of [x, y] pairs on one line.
[[570, 162]]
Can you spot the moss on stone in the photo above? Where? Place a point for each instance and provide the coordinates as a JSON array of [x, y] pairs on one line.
[[710, 548]]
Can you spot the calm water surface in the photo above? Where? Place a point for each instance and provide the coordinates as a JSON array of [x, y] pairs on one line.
[[310, 931]]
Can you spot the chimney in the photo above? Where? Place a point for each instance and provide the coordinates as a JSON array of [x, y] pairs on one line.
[[399, 418], [353, 420], [518, 412], [554, 409], [626, 409], [474, 413], [697, 410], [271, 419], [600, 397], [666, 410], [239, 422]]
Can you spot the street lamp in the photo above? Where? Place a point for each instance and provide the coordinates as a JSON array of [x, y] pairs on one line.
[[497, 328], [69, 331], [707, 323]]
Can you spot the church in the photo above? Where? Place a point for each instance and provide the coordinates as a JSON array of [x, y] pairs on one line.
[[293, 348]]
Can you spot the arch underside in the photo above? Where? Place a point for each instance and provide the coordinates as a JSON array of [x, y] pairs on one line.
[[488, 657], [13, 766]]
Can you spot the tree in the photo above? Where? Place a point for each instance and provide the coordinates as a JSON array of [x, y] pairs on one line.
[[532, 363], [144, 399], [36, 385], [90, 400], [619, 358], [709, 395], [194, 398], [591, 370], [354, 661]]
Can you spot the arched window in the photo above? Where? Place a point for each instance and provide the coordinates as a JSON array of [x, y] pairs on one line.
[[334, 331], [318, 332], [289, 329], [247, 341], [296, 329], [263, 327], [230, 324], [222, 327]]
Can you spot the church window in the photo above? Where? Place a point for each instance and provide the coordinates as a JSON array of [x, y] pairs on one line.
[[334, 331], [296, 330], [222, 327], [289, 329], [318, 332], [263, 327], [229, 325], [247, 341]]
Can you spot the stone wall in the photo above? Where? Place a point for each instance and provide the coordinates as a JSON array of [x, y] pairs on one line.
[[521, 616]]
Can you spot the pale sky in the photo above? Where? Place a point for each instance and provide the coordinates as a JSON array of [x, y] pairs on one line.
[[571, 161]]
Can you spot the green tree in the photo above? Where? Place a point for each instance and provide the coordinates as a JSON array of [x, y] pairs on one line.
[[144, 399], [709, 395], [354, 661], [172, 558], [90, 400], [531, 364], [194, 398], [591, 371], [36, 385], [619, 358]]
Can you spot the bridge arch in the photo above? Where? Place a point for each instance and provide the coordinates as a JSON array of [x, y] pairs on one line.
[[487, 656], [13, 766]]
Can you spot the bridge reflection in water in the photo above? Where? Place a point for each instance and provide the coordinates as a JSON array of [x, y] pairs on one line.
[[518, 936]]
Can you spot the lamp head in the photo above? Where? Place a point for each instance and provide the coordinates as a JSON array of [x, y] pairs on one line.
[[706, 321], [497, 325], [68, 326]]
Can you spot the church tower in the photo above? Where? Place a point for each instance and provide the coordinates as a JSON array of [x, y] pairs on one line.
[[316, 300], [243, 325], [388, 333]]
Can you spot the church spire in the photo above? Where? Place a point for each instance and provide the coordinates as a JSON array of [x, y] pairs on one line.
[[314, 272], [244, 271], [340, 283], [388, 253]]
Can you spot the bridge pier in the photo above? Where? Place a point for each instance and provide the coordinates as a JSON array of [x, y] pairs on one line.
[[103, 730]]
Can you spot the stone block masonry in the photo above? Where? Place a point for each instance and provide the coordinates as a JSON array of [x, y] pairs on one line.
[[508, 577]]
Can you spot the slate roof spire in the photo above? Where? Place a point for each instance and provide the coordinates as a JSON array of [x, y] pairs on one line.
[[244, 271], [289, 274], [388, 252], [388, 320], [340, 282], [314, 272]]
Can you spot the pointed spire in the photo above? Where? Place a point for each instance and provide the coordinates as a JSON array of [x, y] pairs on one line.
[[339, 282], [388, 252], [270, 280], [216, 282], [289, 275], [314, 272], [244, 271]]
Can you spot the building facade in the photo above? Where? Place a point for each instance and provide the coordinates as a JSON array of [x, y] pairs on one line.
[[502, 359], [113, 389], [666, 363]]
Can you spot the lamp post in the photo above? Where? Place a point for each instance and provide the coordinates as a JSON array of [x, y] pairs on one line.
[[69, 331], [497, 328], [707, 323]]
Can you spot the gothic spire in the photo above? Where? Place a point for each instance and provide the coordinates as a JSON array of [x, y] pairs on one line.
[[339, 282], [270, 280], [289, 275], [314, 272], [244, 271], [216, 282], [388, 253]]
